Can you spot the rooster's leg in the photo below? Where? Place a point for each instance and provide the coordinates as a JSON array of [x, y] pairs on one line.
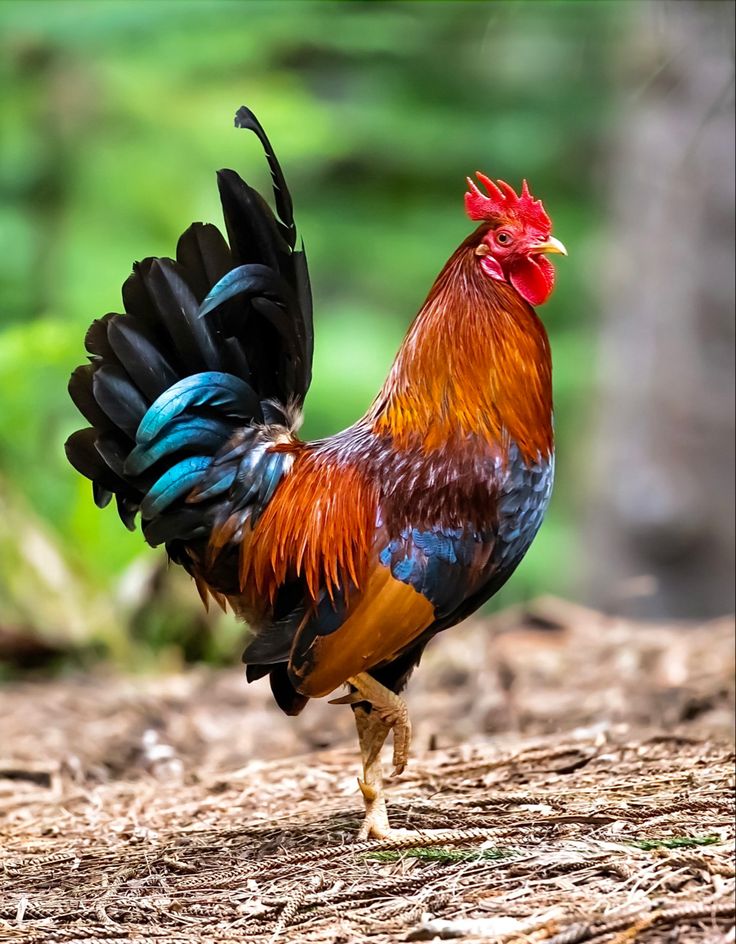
[[387, 713], [372, 732]]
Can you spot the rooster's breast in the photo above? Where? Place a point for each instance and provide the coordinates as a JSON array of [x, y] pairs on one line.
[[461, 537]]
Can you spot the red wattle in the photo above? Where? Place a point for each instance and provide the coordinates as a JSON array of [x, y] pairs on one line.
[[533, 278]]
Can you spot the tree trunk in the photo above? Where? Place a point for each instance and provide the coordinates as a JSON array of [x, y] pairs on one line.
[[661, 522]]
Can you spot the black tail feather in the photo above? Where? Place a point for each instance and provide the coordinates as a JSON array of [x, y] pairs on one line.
[[286, 696], [95, 340], [251, 227], [205, 257], [81, 450], [178, 309], [119, 398], [80, 390], [263, 337], [138, 354], [244, 118], [136, 300], [114, 450]]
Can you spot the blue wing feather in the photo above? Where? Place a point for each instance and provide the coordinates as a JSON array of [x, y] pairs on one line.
[[174, 483], [245, 279], [212, 389], [184, 432], [218, 486]]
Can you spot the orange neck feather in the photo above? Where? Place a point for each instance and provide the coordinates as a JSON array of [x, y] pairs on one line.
[[475, 362]]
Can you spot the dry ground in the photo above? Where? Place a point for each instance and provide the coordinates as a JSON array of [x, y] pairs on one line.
[[583, 767]]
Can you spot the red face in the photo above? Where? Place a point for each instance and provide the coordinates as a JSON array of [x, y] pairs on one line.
[[513, 248]]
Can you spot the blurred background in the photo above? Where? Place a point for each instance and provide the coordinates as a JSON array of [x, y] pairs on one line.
[[114, 117]]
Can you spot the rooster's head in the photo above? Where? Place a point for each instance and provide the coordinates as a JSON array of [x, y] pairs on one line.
[[511, 248]]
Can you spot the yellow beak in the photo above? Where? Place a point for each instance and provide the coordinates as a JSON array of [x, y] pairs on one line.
[[550, 245]]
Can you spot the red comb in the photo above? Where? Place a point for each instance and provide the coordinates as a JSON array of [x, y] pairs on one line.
[[502, 201]]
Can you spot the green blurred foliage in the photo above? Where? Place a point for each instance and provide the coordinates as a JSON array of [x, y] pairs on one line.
[[115, 115]]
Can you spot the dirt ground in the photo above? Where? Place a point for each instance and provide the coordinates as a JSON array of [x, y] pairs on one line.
[[577, 770]]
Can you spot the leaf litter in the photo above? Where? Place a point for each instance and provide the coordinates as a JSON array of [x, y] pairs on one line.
[[572, 780]]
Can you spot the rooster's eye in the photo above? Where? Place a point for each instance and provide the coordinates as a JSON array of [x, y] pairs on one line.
[[503, 238]]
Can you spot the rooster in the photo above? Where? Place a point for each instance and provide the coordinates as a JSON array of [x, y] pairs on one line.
[[345, 555]]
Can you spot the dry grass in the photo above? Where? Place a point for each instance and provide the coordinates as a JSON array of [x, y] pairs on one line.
[[144, 810]]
